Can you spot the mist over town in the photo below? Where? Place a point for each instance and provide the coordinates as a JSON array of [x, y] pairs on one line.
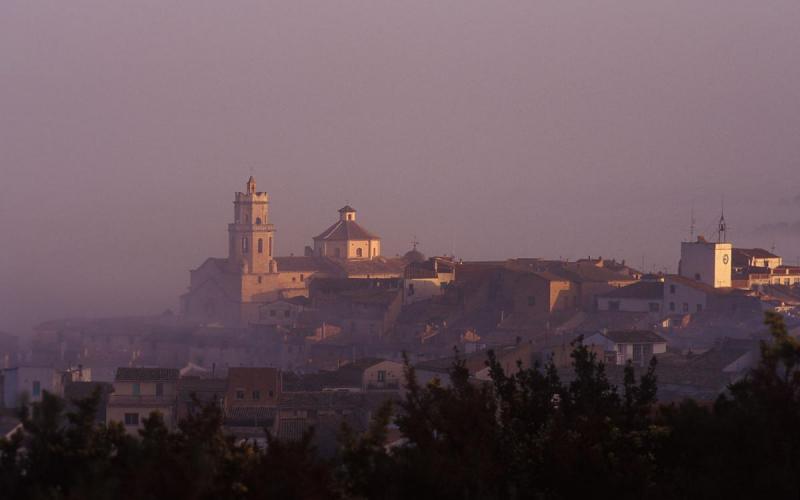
[[383, 250]]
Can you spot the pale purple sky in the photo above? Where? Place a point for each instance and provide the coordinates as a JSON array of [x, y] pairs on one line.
[[503, 129]]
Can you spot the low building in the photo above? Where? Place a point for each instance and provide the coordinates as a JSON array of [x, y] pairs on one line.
[[384, 375], [644, 296], [283, 312], [425, 279], [637, 346], [138, 392], [755, 257], [253, 387], [688, 296], [28, 383]]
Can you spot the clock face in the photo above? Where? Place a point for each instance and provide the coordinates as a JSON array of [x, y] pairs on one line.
[[725, 259]]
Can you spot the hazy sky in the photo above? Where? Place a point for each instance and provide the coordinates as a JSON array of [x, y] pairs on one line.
[[500, 129]]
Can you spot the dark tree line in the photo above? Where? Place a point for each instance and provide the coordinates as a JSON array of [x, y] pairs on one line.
[[527, 434]]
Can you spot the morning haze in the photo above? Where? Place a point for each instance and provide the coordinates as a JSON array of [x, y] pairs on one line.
[[488, 129]]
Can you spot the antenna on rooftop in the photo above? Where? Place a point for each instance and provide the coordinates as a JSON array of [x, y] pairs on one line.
[[772, 248], [691, 226], [414, 242], [722, 229]]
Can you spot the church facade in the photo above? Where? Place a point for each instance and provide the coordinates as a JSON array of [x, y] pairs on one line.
[[233, 290]]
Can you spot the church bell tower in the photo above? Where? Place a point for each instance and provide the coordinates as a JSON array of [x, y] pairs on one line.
[[250, 236]]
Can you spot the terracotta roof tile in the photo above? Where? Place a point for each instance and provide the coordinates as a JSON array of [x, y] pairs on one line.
[[346, 230], [641, 290], [140, 374]]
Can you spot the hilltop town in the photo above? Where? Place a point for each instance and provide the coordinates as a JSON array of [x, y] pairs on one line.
[[290, 342]]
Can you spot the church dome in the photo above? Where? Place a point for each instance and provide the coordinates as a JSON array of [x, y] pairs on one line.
[[414, 255]]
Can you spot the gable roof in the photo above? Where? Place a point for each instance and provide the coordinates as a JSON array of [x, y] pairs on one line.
[[642, 290], [308, 264], [758, 253], [704, 287], [634, 337], [253, 377], [375, 266], [148, 374], [343, 230]]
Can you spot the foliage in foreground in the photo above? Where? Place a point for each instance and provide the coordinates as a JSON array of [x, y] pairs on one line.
[[526, 434]]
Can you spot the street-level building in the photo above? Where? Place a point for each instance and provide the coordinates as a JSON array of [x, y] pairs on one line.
[[139, 392]]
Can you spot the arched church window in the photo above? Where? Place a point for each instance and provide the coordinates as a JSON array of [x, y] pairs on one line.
[[244, 244], [258, 220], [359, 252], [270, 246], [260, 245]]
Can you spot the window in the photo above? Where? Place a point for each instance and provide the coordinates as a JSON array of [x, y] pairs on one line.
[[672, 306], [159, 389], [258, 220], [637, 354], [697, 276], [136, 389], [272, 312], [531, 300], [302, 278], [287, 313], [132, 419], [381, 375], [37, 389], [259, 280], [613, 305], [270, 246], [239, 393], [244, 245], [294, 279], [685, 307], [359, 252], [672, 289], [260, 245], [410, 289], [699, 307], [655, 307], [271, 393], [256, 395]]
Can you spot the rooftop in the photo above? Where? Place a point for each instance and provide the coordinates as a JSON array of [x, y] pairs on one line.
[[146, 374], [757, 253], [634, 337], [641, 290], [343, 230]]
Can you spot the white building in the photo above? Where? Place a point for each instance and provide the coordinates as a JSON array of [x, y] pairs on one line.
[[385, 375], [637, 346], [709, 263]]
